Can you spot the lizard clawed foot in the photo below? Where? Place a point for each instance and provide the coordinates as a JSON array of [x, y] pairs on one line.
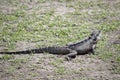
[[68, 58]]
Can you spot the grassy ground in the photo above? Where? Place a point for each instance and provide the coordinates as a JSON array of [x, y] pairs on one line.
[[26, 24]]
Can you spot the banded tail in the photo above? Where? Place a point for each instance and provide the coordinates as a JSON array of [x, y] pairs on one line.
[[53, 50], [25, 51]]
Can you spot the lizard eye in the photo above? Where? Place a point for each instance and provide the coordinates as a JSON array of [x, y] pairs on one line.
[[95, 39]]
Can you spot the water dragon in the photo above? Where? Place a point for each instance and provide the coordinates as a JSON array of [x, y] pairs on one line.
[[81, 47]]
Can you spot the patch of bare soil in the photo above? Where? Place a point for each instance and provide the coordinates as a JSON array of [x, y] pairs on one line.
[[46, 66], [57, 7], [114, 38], [25, 45]]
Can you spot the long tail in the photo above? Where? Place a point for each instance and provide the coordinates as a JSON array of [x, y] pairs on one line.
[[40, 50], [51, 50]]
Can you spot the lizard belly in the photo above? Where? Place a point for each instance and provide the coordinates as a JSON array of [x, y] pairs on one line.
[[83, 49]]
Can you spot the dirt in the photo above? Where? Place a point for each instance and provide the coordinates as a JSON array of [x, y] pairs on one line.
[[44, 66], [114, 38], [40, 65]]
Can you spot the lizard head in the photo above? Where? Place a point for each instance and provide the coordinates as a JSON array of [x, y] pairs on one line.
[[95, 36]]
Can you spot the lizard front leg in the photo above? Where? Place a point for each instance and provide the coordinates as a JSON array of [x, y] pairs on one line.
[[93, 48], [71, 55], [92, 51]]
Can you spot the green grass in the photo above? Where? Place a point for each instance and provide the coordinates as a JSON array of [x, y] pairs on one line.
[[59, 68], [11, 69], [6, 57], [33, 74], [19, 60], [49, 29]]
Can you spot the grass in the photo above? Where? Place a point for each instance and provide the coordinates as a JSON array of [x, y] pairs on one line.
[[33, 74], [6, 57], [11, 69], [59, 68], [44, 26], [19, 61]]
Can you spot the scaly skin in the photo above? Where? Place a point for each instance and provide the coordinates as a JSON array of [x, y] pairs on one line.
[[82, 47]]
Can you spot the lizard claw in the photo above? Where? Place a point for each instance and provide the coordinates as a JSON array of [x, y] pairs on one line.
[[68, 58]]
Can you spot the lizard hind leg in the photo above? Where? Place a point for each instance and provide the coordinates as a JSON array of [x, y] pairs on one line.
[[71, 55]]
